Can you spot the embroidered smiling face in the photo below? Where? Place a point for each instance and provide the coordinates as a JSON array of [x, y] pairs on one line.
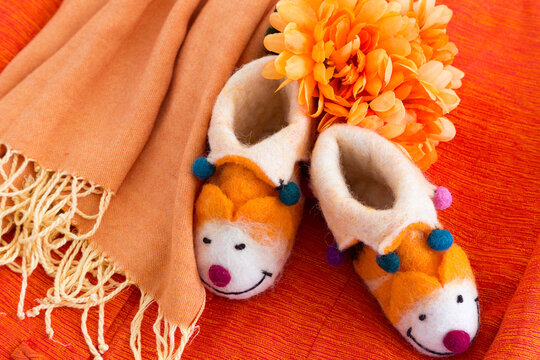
[[243, 233], [446, 322], [232, 264], [432, 299]]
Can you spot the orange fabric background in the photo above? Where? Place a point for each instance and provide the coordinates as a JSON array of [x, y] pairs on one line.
[[321, 312]]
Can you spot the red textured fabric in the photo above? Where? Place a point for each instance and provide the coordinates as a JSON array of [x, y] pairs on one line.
[[322, 312], [20, 21]]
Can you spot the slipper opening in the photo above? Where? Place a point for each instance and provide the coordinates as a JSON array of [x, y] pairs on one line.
[[364, 177], [261, 113]]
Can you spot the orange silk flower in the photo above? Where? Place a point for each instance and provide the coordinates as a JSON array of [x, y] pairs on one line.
[[378, 64]]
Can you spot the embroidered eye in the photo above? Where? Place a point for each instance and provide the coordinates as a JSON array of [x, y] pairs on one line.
[[422, 317], [206, 240], [459, 299], [240, 246]]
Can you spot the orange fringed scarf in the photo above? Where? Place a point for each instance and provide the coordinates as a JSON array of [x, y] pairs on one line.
[[102, 115]]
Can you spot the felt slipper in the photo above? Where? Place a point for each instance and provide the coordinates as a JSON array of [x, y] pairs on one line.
[[370, 192], [247, 215]]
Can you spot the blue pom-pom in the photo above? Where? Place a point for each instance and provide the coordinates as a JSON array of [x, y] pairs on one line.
[[389, 262], [289, 194], [203, 169], [440, 239]]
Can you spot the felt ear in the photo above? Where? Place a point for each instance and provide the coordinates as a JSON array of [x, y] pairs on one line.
[[408, 288], [212, 204], [240, 184], [455, 265], [366, 265], [275, 218], [415, 254]]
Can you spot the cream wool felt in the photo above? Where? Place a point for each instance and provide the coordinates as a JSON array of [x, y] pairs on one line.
[[368, 190], [252, 121]]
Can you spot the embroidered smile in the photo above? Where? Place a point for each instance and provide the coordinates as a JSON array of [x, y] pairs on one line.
[[409, 334], [265, 274]]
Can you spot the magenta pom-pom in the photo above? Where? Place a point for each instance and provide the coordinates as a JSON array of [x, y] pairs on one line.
[[442, 198]]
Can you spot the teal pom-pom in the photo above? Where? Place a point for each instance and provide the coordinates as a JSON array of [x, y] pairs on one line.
[[440, 239], [389, 262], [203, 169], [289, 194]]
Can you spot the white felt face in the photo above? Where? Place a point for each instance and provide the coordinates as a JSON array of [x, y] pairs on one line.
[[232, 264], [445, 324]]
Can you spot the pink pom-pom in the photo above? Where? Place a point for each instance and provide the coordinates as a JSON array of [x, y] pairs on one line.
[[442, 198]]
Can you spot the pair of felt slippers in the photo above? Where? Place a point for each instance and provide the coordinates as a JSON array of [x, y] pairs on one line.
[[372, 197]]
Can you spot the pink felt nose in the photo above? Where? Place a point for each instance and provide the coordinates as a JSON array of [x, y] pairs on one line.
[[457, 341], [219, 275]]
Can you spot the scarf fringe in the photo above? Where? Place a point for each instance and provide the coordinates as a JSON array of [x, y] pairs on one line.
[[37, 212], [164, 331]]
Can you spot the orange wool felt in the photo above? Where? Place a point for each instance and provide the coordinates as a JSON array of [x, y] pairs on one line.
[[236, 194], [422, 271]]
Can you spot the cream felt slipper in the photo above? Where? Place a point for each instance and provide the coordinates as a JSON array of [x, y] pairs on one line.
[[247, 214], [370, 192]]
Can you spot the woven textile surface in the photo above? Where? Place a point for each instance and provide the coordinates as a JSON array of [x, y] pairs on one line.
[[322, 312]]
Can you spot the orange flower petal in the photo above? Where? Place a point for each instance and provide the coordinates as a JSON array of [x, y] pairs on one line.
[[389, 26], [448, 100], [329, 48], [396, 115], [283, 84], [326, 122], [358, 113], [320, 106], [327, 91], [359, 85], [374, 59], [319, 31], [339, 30], [391, 131], [336, 109], [298, 12], [342, 55], [309, 84], [394, 45], [396, 80], [317, 53], [430, 71], [281, 62], [277, 22], [371, 11], [319, 73], [298, 66], [447, 132], [383, 102], [270, 72], [296, 41], [372, 122], [274, 42], [373, 86]]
